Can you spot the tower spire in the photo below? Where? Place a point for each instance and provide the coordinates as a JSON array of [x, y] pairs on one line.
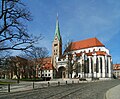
[[57, 30], [57, 16]]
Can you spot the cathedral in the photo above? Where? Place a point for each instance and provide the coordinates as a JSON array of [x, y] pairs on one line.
[[87, 58]]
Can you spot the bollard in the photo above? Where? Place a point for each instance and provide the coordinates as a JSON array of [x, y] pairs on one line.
[[58, 83], [66, 82], [33, 84], [8, 87], [48, 84], [78, 81]]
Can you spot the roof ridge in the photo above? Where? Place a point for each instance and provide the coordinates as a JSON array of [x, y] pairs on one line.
[[83, 40], [90, 42]]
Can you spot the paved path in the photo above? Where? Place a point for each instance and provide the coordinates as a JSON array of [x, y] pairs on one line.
[[23, 86], [91, 90], [113, 93]]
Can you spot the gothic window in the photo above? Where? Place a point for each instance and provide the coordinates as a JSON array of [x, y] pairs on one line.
[[107, 65], [89, 51], [101, 64], [97, 67], [87, 65], [55, 44], [91, 65]]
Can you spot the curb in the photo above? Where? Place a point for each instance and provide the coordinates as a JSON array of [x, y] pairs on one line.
[[113, 93]]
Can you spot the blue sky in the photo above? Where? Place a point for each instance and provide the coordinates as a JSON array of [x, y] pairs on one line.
[[78, 20]]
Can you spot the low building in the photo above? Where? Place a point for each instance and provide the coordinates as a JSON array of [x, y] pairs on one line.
[[46, 68], [116, 70]]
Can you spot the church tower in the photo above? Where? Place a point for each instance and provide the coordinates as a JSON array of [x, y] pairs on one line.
[[56, 45]]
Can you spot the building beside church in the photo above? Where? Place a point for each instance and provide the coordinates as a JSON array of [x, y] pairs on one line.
[[116, 70], [87, 58], [46, 69]]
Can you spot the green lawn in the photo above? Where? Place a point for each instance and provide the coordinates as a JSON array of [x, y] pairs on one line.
[[5, 83], [34, 79]]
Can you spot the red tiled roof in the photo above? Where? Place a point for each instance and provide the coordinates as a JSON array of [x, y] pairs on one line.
[[89, 54], [101, 53], [91, 42], [78, 54], [46, 63], [47, 66], [116, 66], [44, 60], [47, 59]]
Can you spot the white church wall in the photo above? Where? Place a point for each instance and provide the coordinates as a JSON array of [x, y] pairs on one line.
[[87, 50], [92, 73]]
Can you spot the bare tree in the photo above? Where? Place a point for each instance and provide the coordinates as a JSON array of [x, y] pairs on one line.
[[13, 31], [4, 53], [17, 66], [67, 48], [36, 55]]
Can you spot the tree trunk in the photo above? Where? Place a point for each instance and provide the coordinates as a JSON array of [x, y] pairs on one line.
[[18, 79]]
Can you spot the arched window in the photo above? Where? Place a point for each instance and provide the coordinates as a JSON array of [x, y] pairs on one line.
[[89, 51], [91, 65], [107, 65], [87, 65], [100, 64], [97, 67]]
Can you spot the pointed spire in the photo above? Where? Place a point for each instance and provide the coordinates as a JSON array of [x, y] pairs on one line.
[[57, 30], [57, 16]]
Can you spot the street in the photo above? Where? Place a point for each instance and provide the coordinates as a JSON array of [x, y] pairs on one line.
[[91, 90]]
